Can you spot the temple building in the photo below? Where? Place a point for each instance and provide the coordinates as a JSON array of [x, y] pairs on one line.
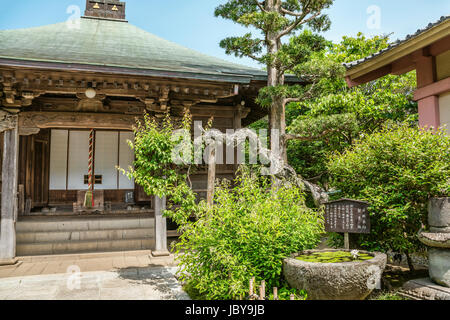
[[70, 86], [428, 52]]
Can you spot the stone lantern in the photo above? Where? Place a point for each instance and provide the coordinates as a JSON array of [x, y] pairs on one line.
[[437, 239]]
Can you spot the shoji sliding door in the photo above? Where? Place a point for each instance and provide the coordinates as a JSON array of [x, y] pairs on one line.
[[69, 154]]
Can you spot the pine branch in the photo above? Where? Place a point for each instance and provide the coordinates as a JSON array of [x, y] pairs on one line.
[[307, 95], [298, 22], [260, 6], [294, 14]]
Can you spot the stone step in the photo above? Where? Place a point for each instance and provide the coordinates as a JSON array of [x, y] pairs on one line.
[[58, 236], [66, 247], [81, 234], [83, 224]]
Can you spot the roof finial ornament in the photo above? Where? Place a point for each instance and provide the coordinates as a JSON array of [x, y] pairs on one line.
[[105, 9]]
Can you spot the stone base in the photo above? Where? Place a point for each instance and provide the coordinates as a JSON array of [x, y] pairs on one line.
[[9, 262], [424, 289], [160, 253]]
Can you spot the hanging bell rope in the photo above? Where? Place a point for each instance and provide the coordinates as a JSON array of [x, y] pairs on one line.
[[89, 198]]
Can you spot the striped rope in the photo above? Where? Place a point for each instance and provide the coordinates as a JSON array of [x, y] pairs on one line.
[[91, 165]]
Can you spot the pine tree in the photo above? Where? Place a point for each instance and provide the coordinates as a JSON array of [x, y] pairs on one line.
[[276, 20]]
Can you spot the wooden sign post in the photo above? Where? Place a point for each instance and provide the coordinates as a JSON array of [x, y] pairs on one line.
[[347, 216]]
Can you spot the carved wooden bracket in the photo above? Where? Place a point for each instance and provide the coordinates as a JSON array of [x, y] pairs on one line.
[[159, 105], [243, 111], [14, 98], [91, 105], [150, 104], [186, 104], [164, 98], [7, 121]]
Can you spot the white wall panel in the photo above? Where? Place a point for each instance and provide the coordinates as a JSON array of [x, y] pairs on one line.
[[126, 159], [106, 158], [110, 147], [58, 159], [78, 159], [444, 111]]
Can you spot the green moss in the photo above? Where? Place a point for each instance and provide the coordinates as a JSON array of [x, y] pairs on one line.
[[388, 296], [333, 257]]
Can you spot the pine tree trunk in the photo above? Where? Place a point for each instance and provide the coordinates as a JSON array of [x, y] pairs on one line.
[[275, 78]]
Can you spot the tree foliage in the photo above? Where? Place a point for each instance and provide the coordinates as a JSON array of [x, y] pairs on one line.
[[273, 20], [277, 17], [397, 170], [346, 113], [154, 168], [247, 231]]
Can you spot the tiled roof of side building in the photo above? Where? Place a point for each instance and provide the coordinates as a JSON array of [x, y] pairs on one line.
[[396, 43], [117, 44]]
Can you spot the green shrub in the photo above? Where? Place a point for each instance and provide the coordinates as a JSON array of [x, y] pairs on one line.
[[397, 170], [247, 233], [154, 168]]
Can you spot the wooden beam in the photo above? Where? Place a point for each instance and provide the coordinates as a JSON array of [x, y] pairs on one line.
[[9, 197], [403, 65], [426, 71], [141, 89], [434, 89], [440, 46], [373, 75], [32, 122]]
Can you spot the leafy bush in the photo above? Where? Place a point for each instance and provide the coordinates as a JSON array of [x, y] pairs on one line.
[[246, 233], [368, 107], [397, 170], [154, 169]]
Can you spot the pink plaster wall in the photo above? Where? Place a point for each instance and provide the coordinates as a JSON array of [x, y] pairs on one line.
[[429, 112]]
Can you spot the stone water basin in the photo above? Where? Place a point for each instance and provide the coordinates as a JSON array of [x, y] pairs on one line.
[[335, 276]]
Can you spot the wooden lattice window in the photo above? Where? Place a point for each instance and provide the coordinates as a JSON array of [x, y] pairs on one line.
[[98, 179]]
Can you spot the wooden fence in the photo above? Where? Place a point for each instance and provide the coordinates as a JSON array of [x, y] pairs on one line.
[[262, 291]]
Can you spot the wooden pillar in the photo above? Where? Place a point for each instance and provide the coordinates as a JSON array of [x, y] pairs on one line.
[[346, 241], [428, 107], [211, 175], [238, 117], [9, 197], [237, 124], [160, 228]]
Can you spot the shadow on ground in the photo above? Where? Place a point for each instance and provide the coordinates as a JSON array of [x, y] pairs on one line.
[[160, 278]]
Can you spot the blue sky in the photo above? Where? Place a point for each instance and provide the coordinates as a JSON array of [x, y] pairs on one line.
[[192, 23]]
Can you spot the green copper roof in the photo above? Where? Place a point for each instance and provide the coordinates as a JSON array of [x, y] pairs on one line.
[[116, 44]]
